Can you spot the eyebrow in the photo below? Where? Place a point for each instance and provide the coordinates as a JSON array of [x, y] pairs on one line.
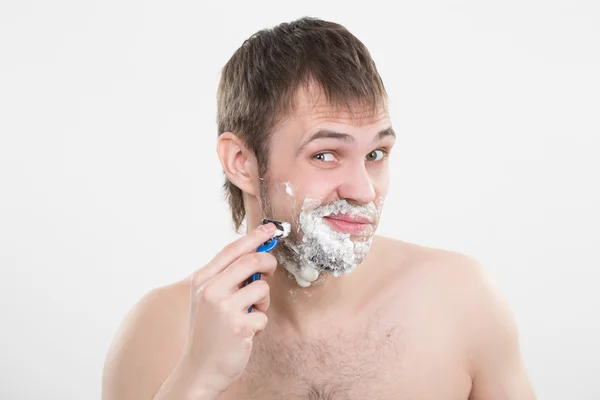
[[329, 134]]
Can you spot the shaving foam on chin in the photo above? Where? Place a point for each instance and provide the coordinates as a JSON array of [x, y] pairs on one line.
[[322, 248], [313, 247]]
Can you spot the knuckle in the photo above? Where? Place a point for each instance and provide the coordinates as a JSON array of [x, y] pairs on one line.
[[198, 293], [207, 294], [267, 260], [255, 259], [248, 343], [236, 326], [250, 261], [224, 307], [264, 320], [271, 260], [203, 298], [262, 286], [261, 322], [198, 278]]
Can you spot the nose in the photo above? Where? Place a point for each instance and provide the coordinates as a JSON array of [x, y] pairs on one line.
[[357, 185]]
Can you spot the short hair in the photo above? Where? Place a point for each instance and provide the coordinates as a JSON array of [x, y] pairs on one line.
[[259, 83]]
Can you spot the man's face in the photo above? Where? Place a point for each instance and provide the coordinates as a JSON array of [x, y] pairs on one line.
[[327, 176]]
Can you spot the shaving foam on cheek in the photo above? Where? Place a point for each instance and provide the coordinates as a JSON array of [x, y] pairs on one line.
[[303, 273], [288, 189]]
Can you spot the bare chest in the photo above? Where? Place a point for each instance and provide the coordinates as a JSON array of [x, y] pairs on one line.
[[371, 362]]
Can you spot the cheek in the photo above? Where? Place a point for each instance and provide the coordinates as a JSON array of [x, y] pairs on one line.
[[382, 185], [318, 187], [380, 177]]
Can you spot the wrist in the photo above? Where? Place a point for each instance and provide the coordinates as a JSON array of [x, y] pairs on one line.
[[200, 386]]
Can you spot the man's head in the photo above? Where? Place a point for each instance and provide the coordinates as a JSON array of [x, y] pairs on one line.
[[304, 132]]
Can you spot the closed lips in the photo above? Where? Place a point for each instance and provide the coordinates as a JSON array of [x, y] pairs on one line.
[[348, 224], [356, 219]]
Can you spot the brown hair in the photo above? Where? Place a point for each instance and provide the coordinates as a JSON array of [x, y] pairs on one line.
[[259, 82]]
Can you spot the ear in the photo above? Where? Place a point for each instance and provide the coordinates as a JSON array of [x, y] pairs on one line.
[[239, 163]]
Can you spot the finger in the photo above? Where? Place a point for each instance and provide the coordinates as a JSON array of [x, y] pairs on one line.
[[261, 305], [237, 273], [244, 245], [234, 277], [256, 294], [258, 321]]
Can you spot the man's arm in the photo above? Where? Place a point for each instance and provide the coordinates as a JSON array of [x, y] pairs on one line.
[[497, 367]]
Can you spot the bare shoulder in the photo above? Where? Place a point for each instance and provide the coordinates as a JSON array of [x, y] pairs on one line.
[[456, 278], [433, 267], [460, 289], [148, 344], [446, 281]]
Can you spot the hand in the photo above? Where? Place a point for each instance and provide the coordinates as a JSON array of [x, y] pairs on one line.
[[221, 329]]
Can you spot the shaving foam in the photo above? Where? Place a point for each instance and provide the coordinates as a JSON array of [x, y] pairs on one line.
[[288, 189], [287, 228], [324, 249]]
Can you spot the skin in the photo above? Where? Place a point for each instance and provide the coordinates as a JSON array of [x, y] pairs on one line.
[[410, 322]]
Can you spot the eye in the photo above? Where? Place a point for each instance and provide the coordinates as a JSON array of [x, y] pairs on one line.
[[325, 157], [375, 155]]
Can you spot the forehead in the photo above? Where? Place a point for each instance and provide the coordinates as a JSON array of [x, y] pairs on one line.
[[311, 107]]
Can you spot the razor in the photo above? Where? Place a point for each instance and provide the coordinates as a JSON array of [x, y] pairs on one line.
[[283, 229]]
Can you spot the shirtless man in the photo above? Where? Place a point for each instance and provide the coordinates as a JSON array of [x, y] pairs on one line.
[[305, 137]]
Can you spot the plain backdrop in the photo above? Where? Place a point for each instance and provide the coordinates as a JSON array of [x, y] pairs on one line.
[[110, 185]]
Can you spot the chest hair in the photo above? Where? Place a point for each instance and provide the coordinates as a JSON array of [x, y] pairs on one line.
[[339, 363]]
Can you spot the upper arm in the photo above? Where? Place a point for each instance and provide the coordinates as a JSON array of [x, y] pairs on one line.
[[497, 367], [146, 347]]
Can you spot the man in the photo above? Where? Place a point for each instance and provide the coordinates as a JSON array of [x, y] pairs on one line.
[[304, 137]]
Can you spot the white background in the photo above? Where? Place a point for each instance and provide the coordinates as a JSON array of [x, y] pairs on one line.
[[110, 186]]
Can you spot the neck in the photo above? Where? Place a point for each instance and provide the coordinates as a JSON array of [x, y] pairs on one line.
[[299, 308], [295, 304], [302, 311]]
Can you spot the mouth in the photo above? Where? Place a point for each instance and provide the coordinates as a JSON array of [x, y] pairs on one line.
[[353, 224]]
